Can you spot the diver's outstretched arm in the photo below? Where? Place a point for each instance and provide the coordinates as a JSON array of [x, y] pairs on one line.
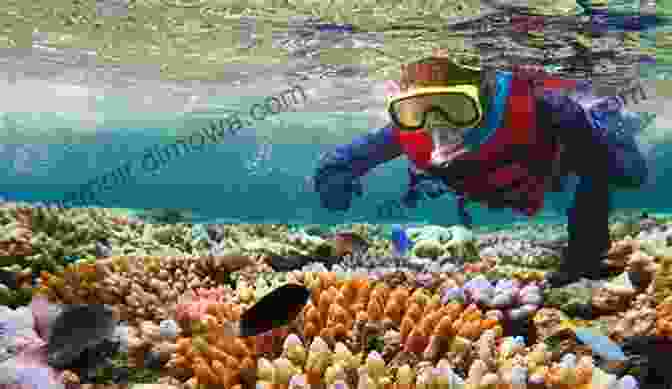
[[365, 152], [337, 176]]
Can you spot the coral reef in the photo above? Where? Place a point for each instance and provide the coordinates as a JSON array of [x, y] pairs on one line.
[[138, 288], [516, 300], [461, 310], [208, 355], [433, 242]]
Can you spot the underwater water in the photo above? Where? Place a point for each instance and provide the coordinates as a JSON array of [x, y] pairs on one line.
[[92, 125]]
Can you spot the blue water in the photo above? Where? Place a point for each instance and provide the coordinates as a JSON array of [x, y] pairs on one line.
[[217, 183]]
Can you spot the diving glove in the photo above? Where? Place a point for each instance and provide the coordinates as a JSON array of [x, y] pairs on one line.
[[336, 187], [337, 177], [421, 187]]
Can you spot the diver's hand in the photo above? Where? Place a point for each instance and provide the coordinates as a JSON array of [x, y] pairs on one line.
[[422, 187], [462, 213], [336, 186]]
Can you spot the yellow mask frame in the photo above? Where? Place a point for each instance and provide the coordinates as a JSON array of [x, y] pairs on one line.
[[471, 92]]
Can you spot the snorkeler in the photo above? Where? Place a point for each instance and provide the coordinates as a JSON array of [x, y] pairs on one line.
[[503, 140]]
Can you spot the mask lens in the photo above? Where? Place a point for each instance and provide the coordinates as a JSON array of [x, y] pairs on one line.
[[455, 109]]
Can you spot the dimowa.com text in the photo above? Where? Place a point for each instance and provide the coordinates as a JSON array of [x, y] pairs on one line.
[[158, 156]]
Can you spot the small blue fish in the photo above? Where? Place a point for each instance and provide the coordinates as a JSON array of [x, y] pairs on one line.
[[400, 240], [600, 344], [71, 258], [335, 27]]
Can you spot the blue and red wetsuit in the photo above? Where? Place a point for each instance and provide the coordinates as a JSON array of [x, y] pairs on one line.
[[525, 138]]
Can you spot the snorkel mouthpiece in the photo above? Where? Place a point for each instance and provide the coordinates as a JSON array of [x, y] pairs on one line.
[[448, 144]]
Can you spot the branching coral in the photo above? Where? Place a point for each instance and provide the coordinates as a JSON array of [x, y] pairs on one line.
[[75, 284], [211, 355], [663, 279], [572, 300], [611, 299], [664, 318], [395, 329], [43, 236], [15, 239], [510, 365], [139, 288], [639, 320], [643, 265], [194, 305], [336, 308], [15, 298], [520, 253], [620, 250]]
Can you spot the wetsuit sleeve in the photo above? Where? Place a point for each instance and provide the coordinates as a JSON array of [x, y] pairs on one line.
[[567, 121], [597, 135], [366, 152]]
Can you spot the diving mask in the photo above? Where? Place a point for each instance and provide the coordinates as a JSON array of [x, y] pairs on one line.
[[456, 106]]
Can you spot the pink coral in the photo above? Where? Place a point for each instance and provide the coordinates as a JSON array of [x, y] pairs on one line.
[[193, 305], [29, 367], [32, 370], [44, 313]]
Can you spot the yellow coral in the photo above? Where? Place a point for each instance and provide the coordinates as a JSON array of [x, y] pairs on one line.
[[663, 279]]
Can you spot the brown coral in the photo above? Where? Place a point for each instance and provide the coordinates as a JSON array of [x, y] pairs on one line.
[[138, 288], [17, 243], [548, 322], [605, 300], [644, 266], [639, 320], [619, 253]]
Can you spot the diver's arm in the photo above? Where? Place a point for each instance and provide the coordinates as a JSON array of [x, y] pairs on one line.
[[367, 151], [337, 177]]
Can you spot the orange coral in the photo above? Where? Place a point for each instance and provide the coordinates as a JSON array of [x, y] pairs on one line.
[[214, 357], [664, 318], [447, 321], [336, 306], [76, 284]]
